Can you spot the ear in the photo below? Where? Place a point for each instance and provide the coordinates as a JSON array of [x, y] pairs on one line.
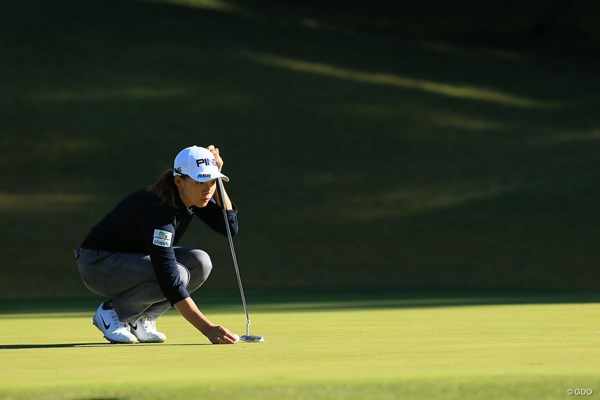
[[178, 181]]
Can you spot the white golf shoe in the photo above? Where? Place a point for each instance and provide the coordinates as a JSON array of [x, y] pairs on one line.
[[144, 328], [114, 330]]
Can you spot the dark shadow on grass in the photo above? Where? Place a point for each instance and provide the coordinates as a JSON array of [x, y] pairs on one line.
[[411, 298], [308, 300], [85, 345], [50, 346], [183, 67]]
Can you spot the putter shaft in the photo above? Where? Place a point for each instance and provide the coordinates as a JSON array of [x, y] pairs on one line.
[[221, 189]]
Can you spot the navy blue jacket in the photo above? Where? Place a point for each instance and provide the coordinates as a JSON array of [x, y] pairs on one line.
[[140, 224]]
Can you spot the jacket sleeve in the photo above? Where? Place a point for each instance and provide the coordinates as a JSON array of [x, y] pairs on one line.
[[160, 237], [212, 215]]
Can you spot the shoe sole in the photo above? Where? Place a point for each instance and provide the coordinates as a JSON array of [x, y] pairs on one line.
[[148, 341], [115, 342], [152, 341]]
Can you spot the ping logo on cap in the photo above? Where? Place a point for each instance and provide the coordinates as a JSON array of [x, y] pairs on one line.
[[206, 161]]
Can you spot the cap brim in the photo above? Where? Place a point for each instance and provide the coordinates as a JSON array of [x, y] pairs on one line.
[[210, 177]]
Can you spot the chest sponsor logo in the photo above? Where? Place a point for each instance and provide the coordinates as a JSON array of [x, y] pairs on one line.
[[162, 238]]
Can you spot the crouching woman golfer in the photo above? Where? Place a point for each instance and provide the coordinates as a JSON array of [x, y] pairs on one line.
[[130, 257]]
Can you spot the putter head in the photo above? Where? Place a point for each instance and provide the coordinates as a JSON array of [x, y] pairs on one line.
[[252, 339]]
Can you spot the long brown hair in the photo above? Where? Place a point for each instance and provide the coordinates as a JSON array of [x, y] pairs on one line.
[[165, 190]]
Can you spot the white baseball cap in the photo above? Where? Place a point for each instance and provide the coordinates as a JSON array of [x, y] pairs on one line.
[[198, 163]]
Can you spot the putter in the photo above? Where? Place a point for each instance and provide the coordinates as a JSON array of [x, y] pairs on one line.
[[248, 338]]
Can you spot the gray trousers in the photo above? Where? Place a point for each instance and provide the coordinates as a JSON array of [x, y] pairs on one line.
[[129, 279]]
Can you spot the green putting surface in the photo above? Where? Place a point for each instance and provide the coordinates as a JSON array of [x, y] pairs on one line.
[[365, 350]]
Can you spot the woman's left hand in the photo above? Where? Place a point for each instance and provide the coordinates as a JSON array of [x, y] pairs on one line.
[[215, 151]]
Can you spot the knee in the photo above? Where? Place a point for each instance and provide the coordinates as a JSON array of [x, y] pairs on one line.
[[201, 263]]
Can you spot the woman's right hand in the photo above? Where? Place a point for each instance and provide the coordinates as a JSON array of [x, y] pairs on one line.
[[216, 334], [219, 335]]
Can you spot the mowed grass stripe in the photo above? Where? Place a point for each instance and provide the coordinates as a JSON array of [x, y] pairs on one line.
[[498, 350]]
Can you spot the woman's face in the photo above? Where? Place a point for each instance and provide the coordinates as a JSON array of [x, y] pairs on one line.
[[194, 193]]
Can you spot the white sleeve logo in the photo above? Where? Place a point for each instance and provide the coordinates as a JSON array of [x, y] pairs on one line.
[[162, 238]]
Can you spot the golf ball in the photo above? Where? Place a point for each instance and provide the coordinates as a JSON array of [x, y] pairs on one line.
[[237, 338]]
